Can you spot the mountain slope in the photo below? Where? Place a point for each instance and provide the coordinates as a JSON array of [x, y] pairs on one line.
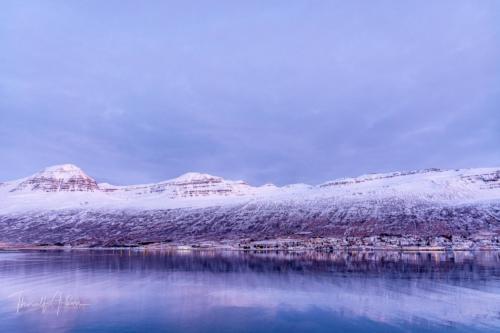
[[59, 178], [63, 205]]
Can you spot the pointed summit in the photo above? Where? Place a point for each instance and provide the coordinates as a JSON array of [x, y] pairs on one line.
[[62, 171], [65, 167]]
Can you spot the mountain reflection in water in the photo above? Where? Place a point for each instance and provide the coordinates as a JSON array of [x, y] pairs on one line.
[[213, 291]]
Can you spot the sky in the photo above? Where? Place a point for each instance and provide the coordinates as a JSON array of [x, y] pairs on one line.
[[286, 91]]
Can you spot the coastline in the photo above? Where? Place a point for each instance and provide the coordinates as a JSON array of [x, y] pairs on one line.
[[483, 242]]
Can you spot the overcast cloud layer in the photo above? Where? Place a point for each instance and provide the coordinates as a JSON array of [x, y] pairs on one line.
[[266, 91]]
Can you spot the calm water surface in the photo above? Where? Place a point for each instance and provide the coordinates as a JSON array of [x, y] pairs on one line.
[[137, 291]]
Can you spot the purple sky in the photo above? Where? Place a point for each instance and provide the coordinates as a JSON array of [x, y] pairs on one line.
[[266, 91]]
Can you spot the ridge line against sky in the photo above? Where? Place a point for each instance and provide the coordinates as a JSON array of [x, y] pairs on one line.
[[97, 178], [266, 91]]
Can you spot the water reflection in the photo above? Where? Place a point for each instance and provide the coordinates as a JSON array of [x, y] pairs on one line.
[[141, 291]]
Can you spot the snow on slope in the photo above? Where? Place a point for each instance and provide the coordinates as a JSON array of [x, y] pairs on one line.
[[67, 186], [59, 178], [62, 205], [430, 184]]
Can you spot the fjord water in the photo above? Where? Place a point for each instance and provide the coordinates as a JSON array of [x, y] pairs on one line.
[[212, 291]]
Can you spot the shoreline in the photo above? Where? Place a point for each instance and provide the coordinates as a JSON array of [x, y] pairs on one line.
[[485, 242]]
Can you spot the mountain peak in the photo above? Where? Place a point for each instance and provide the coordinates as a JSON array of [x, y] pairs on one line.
[[195, 177], [62, 171], [65, 167], [57, 178]]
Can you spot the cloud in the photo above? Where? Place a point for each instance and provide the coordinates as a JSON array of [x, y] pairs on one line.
[[262, 91]]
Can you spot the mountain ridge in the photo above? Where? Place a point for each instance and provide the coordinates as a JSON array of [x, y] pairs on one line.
[[458, 207], [67, 170], [200, 189]]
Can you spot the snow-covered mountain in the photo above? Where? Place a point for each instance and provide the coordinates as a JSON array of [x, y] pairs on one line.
[[67, 186], [63, 204], [59, 178]]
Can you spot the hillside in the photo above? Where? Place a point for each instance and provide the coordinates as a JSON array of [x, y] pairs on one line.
[[425, 208]]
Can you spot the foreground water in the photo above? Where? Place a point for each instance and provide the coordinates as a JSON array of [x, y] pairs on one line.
[[137, 291]]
